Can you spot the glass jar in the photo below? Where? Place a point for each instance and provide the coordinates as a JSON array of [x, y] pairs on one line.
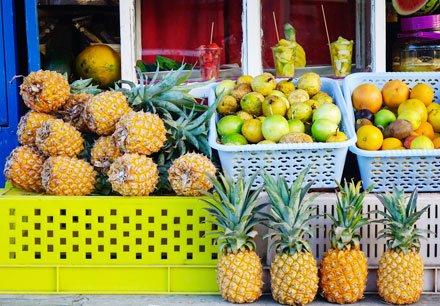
[[418, 46]]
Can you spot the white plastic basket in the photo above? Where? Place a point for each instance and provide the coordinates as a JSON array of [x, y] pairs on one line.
[[404, 168], [289, 160]]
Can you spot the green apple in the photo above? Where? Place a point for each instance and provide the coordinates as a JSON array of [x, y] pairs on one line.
[[328, 111], [229, 125], [296, 125], [322, 128], [384, 117], [275, 127], [224, 87]]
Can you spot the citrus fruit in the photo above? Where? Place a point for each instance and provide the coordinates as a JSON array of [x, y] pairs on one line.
[[412, 117], [251, 130], [391, 143], [422, 142], [414, 105], [322, 128], [101, 63], [369, 138], [436, 143], [274, 127], [394, 93], [425, 129], [434, 119], [384, 117], [367, 96], [432, 106], [229, 125], [422, 92], [436, 135], [336, 137], [234, 139]]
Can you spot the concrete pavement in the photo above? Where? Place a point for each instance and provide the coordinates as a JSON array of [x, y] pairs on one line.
[[170, 300]]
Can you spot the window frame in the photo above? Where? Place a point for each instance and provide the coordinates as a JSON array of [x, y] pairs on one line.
[[131, 38]]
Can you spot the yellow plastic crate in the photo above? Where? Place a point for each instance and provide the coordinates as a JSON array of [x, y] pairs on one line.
[[51, 244]]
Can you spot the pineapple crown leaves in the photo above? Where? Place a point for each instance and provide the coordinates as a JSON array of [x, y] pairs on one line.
[[234, 207], [290, 213], [349, 218], [399, 220], [188, 132], [167, 95], [84, 86]]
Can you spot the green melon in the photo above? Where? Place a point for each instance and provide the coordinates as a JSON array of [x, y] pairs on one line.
[[415, 7]]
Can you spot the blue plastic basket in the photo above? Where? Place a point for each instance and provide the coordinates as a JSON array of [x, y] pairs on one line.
[[406, 169], [289, 160]]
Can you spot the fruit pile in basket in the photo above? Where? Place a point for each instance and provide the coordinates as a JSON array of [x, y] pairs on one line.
[[261, 111], [133, 141], [396, 118]]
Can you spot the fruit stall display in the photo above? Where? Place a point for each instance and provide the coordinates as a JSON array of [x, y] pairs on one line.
[[397, 121], [281, 126], [160, 202]]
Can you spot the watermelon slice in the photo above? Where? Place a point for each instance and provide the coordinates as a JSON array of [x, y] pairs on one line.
[[415, 7]]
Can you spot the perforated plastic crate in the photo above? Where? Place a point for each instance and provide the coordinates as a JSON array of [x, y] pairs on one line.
[[52, 244], [289, 159], [404, 168]]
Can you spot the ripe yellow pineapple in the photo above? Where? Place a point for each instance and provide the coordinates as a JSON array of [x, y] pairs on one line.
[[28, 125], [45, 91], [344, 267], [56, 137], [139, 132], [239, 269], [187, 174], [104, 152], [294, 272], [73, 110], [133, 175], [68, 176], [104, 111], [400, 274], [23, 168]]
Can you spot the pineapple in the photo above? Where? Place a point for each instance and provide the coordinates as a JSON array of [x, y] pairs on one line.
[[133, 175], [400, 274], [28, 125], [139, 132], [45, 91], [23, 168], [68, 176], [104, 152], [187, 174], [234, 207], [56, 137], [344, 267], [104, 110], [294, 272], [73, 110]]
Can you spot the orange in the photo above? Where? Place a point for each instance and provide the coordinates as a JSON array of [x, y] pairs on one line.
[[367, 96], [436, 143], [422, 92], [391, 143], [369, 137], [425, 129], [394, 93]]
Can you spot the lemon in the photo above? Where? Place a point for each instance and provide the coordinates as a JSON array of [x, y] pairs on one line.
[[414, 105], [411, 116]]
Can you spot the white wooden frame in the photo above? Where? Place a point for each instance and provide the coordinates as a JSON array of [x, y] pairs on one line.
[[131, 39]]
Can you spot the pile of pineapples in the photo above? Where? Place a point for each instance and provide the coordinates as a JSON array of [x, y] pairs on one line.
[[294, 272], [132, 141]]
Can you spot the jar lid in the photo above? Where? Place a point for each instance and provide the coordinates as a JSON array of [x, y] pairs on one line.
[[420, 23]]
